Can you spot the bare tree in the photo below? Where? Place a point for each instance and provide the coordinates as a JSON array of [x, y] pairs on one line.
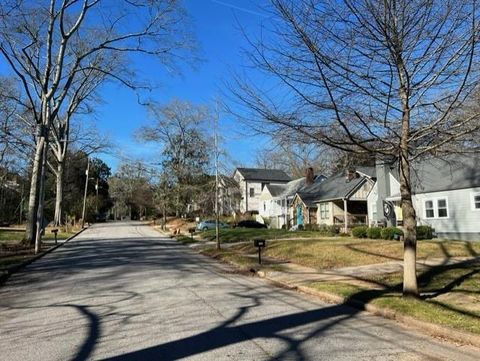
[[50, 45], [177, 128], [387, 78]]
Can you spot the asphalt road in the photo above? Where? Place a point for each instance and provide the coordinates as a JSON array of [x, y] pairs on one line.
[[121, 291]]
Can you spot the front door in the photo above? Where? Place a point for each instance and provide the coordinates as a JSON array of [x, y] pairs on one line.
[[299, 216]]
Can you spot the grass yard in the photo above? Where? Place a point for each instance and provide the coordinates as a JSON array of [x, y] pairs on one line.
[[343, 252], [12, 251], [16, 236], [230, 235], [450, 295]]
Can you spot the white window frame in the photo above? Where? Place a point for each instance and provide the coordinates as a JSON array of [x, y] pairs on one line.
[[475, 194], [435, 207], [325, 213]]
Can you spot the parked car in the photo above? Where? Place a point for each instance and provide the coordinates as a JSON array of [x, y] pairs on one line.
[[251, 224], [210, 224]]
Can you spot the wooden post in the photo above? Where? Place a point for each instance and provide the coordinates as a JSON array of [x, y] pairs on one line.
[[345, 215]]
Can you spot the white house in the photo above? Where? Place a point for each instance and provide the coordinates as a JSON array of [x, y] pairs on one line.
[[446, 196], [275, 201], [251, 183]]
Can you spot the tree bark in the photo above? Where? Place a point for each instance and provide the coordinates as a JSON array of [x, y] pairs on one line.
[[33, 196], [59, 194], [41, 195]]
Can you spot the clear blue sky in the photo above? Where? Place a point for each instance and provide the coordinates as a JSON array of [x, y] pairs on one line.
[[216, 26]]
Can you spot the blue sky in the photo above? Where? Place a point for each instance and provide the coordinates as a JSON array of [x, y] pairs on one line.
[[217, 29]]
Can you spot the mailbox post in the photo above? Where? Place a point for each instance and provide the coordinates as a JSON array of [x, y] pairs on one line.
[[55, 231], [259, 243]]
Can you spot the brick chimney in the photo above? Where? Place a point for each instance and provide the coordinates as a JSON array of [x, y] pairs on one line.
[[309, 176], [350, 174]]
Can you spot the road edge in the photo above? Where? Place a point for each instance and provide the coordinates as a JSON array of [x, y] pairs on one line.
[[18, 267]]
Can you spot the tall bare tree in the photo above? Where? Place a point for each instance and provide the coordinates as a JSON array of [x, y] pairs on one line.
[[384, 77], [49, 45], [179, 128]]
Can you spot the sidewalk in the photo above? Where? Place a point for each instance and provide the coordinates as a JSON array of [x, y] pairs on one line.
[[297, 275]]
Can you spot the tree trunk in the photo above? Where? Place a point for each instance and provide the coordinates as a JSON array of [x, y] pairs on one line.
[[33, 196], [59, 194], [41, 196], [410, 287]]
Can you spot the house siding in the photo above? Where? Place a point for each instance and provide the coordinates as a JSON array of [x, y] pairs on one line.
[[463, 222]]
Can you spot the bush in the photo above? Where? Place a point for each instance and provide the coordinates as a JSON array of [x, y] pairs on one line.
[[424, 232], [360, 232], [390, 232], [300, 227], [374, 232], [327, 230], [311, 227]]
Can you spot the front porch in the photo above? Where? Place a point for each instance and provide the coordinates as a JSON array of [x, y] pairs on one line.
[[348, 214]]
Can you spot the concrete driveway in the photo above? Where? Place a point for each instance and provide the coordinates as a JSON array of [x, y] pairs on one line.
[[121, 291]]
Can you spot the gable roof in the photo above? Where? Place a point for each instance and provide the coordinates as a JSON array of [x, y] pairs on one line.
[[276, 189], [449, 173], [335, 187], [261, 174], [229, 182]]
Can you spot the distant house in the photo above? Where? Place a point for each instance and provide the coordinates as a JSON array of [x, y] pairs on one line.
[[229, 195], [446, 196], [340, 200], [276, 200], [251, 183]]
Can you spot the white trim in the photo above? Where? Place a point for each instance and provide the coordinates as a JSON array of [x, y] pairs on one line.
[[435, 200], [472, 198]]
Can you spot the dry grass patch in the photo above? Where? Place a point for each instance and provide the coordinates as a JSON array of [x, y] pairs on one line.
[[330, 253]]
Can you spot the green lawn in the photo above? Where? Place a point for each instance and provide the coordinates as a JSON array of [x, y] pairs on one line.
[[337, 252], [16, 236]]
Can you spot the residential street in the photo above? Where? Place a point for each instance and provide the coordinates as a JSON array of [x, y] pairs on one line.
[[122, 291]]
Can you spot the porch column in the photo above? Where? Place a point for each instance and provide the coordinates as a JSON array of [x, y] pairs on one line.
[[345, 215]]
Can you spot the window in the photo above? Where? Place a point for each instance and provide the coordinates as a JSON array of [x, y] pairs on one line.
[[264, 206], [252, 192], [442, 208], [436, 208], [476, 201], [324, 211], [429, 211]]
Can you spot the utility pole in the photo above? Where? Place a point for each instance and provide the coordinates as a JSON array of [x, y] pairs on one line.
[[85, 193], [96, 197], [217, 225]]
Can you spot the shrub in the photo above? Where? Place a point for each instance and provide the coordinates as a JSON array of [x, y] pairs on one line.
[[300, 227], [311, 227], [424, 232], [360, 232], [327, 230], [390, 232], [374, 232]]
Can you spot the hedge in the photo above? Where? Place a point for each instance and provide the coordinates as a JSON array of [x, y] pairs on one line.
[[360, 232], [374, 232], [390, 232], [424, 232]]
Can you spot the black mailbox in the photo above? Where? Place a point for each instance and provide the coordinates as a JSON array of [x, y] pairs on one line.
[[259, 242]]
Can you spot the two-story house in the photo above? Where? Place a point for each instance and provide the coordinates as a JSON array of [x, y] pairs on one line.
[[251, 182]]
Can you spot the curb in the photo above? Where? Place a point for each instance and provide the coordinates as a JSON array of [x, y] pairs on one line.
[[14, 269], [434, 330]]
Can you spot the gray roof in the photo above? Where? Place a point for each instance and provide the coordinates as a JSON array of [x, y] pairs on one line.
[[449, 173], [261, 174], [335, 187], [228, 181], [276, 189]]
